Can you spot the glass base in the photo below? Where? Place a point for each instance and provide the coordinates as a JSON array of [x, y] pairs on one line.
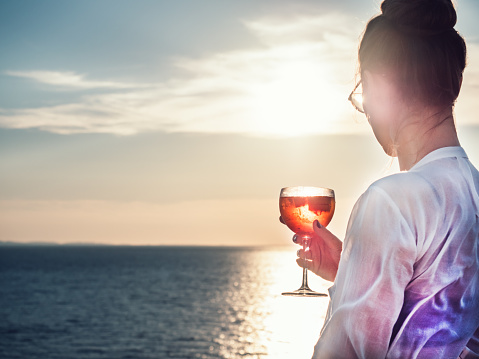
[[304, 292]]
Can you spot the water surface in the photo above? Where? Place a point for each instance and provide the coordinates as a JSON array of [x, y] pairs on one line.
[[154, 302]]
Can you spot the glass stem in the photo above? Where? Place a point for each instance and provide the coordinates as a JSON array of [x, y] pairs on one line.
[[304, 285]]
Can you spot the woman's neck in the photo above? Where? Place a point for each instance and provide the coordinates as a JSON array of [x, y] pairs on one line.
[[424, 134]]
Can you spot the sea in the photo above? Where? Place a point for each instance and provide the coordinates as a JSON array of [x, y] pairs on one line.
[[95, 302]]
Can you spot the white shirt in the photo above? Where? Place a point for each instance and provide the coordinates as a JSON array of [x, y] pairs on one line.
[[407, 285]]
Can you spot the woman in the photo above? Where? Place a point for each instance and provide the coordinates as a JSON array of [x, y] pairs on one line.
[[406, 281]]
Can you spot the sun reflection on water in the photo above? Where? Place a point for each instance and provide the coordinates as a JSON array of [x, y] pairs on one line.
[[295, 322], [274, 326]]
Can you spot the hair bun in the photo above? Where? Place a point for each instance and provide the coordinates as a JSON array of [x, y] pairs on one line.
[[427, 17]]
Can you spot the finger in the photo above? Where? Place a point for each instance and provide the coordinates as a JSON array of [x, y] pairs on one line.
[[317, 227], [297, 239], [301, 254], [328, 238], [304, 263]]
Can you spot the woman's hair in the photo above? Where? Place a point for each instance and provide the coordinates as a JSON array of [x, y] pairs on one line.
[[416, 40]]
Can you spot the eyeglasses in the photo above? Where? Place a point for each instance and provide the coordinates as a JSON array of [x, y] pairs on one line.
[[356, 98]]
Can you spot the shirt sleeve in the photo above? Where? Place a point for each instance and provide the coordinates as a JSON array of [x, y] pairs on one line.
[[375, 267]]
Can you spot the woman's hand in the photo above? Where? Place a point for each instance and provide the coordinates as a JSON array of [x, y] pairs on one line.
[[324, 252]]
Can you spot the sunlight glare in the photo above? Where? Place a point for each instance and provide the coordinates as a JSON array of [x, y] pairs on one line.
[[301, 98], [294, 322]]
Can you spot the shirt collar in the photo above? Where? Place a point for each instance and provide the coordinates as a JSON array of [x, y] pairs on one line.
[[444, 152]]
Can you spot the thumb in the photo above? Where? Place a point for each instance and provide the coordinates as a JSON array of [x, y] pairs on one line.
[[329, 239]]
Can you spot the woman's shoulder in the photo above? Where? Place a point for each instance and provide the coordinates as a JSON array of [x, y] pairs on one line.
[[405, 190], [402, 183], [431, 185]]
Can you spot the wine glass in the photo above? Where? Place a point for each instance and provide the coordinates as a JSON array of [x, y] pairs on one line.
[[299, 208]]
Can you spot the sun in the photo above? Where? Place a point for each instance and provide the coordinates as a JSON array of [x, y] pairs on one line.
[[300, 98]]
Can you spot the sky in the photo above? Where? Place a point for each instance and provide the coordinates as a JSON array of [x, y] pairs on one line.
[[178, 122]]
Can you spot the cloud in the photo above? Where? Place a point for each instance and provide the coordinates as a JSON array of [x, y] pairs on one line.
[[326, 29], [295, 83], [67, 80]]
